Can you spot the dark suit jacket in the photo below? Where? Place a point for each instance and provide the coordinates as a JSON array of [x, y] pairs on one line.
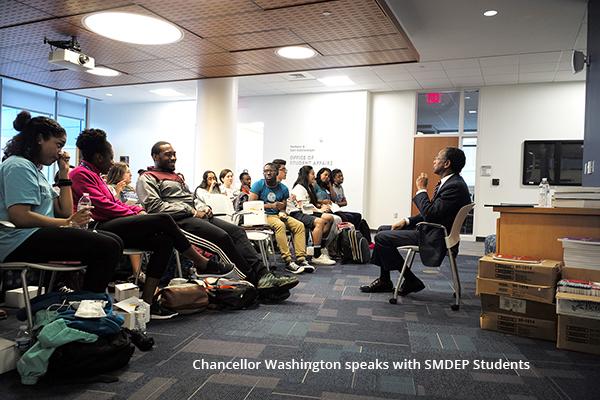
[[444, 206]]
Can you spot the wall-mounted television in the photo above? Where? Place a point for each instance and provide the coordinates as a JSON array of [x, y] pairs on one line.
[[560, 161]]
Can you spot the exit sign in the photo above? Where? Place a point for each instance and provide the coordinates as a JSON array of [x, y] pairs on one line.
[[434, 98]]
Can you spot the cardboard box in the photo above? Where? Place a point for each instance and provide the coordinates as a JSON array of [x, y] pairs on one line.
[[8, 355], [517, 307], [578, 334], [520, 326], [124, 291], [133, 308], [544, 274], [542, 294], [14, 298], [583, 274], [578, 305]]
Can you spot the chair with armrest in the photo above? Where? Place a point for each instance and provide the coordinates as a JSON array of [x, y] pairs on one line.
[[451, 240]]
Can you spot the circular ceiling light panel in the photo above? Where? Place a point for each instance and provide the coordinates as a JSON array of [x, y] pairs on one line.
[[132, 28], [296, 52], [101, 71], [490, 13]]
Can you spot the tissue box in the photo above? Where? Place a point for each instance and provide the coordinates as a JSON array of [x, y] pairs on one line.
[[8, 355], [126, 290], [14, 298]]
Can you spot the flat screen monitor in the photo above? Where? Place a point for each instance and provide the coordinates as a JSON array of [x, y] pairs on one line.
[[560, 161]]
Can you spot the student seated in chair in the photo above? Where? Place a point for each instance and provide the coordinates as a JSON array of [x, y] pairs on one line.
[[275, 194], [162, 190], [46, 226], [158, 234], [449, 196]]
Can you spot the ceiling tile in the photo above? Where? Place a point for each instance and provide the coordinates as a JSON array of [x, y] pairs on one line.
[[257, 40], [16, 68], [361, 45], [72, 7], [144, 66], [424, 66], [500, 69], [501, 79], [270, 4], [453, 73], [419, 75], [467, 81], [437, 84], [179, 74], [498, 61], [230, 70], [180, 10], [14, 12], [550, 67], [569, 76], [460, 64], [539, 58], [536, 77]]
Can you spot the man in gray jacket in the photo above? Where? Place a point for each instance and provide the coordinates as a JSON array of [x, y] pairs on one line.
[[161, 190]]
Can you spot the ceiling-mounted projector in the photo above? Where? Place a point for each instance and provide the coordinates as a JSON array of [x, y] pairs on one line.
[[68, 55]]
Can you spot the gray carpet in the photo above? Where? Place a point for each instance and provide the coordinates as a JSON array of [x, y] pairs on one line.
[[328, 319]]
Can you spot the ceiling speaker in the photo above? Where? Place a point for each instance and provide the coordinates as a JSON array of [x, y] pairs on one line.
[[578, 61]]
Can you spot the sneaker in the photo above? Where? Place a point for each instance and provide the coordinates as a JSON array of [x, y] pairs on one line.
[[158, 312], [323, 259], [294, 268], [272, 281], [307, 267], [214, 268]]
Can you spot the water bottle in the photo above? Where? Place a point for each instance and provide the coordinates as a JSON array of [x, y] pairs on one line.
[[23, 341], [544, 193], [84, 202]]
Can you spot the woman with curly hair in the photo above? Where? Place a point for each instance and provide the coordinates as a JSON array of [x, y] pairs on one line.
[[44, 221]]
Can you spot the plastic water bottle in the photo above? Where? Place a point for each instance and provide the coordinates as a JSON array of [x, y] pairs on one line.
[[23, 341], [84, 202], [544, 194]]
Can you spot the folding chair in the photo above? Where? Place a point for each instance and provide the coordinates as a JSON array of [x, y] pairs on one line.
[[450, 240]]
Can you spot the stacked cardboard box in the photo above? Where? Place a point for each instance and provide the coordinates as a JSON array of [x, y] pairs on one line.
[[579, 315], [518, 298]]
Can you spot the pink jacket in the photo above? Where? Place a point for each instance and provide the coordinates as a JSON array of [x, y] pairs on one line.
[[86, 179]]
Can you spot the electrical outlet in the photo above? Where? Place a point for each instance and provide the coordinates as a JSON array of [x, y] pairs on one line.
[[395, 215]]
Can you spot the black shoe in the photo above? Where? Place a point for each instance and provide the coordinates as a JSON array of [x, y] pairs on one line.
[[378, 286], [273, 297], [214, 268], [413, 286]]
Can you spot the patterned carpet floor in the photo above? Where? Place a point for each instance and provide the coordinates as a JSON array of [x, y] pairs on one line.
[[328, 319]]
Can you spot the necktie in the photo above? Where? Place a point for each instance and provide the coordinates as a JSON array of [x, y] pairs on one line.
[[437, 187]]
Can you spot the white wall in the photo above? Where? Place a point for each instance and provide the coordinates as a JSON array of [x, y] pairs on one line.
[[134, 128], [329, 127], [508, 115], [390, 157]]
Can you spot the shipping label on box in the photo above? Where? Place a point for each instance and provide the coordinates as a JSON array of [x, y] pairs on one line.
[[582, 274], [578, 334], [520, 326], [578, 305], [543, 294], [545, 273], [519, 307]]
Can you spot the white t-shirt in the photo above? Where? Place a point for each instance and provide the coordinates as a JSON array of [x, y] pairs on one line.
[[302, 200]]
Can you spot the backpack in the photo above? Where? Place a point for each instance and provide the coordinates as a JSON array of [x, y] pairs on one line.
[[77, 359], [230, 294], [353, 247]]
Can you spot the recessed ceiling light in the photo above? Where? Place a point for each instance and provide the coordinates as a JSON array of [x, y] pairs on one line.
[[341, 80], [132, 28], [490, 13], [109, 94], [326, 13], [102, 71], [296, 52], [472, 112], [467, 97], [166, 92]]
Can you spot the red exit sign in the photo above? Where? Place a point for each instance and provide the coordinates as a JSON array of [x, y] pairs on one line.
[[434, 98]]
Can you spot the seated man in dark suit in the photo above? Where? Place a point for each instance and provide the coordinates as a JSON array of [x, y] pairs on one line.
[[449, 197]]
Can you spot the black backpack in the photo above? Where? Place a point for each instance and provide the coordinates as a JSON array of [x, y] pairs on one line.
[[78, 359], [353, 247], [230, 294]]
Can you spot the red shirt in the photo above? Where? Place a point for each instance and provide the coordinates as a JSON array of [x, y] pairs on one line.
[[86, 179]]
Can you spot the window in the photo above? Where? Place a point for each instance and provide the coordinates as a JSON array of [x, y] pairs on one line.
[[438, 113], [471, 111], [73, 126]]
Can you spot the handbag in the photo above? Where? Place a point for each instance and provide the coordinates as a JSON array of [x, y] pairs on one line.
[[186, 298]]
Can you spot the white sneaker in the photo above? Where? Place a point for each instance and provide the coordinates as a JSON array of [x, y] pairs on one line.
[[307, 267], [294, 268], [323, 260]]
